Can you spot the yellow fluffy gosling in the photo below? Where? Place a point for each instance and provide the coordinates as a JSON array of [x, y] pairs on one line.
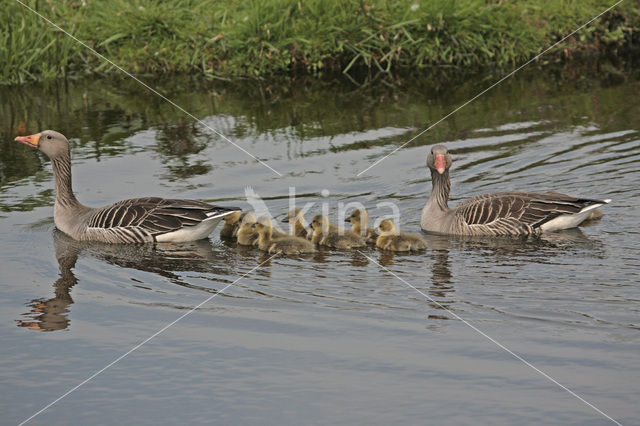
[[247, 235], [359, 219], [391, 239], [285, 244], [316, 228], [296, 217], [231, 225], [326, 234]]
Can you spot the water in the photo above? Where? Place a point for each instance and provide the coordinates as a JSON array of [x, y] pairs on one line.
[[337, 337]]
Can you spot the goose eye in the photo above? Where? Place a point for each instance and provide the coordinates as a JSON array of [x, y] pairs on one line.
[[49, 137]]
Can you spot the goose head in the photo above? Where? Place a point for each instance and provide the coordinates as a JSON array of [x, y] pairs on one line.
[[52, 143], [233, 219], [263, 225], [247, 221], [293, 216], [358, 216], [320, 223], [387, 227], [439, 159]]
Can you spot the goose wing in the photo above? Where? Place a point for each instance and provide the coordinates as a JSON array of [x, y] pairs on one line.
[[146, 218], [517, 212]]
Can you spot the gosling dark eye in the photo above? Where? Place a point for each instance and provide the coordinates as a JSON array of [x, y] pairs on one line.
[[49, 137]]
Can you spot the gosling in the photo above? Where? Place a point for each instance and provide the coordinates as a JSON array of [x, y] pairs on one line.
[[318, 235], [231, 224], [359, 219], [391, 239], [247, 235], [296, 217], [237, 224], [285, 244], [329, 235]]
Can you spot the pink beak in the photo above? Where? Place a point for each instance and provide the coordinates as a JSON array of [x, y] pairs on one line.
[[31, 140], [440, 163]]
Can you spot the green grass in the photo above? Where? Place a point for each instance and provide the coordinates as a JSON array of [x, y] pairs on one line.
[[258, 38]]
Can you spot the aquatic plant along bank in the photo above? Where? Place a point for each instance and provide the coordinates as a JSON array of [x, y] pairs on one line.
[[285, 37]]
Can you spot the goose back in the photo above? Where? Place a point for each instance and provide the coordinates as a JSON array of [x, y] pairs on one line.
[[148, 219]]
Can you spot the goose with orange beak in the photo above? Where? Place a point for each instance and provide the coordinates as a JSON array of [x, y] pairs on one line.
[[500, 213], [137, 220]]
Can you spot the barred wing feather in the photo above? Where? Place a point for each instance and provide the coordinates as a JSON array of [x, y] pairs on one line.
[[517, 212], [143, 219]]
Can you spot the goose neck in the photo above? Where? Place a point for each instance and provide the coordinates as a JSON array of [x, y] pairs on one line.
[[265, 235], [441, 186], [356, 228], [62, 175]]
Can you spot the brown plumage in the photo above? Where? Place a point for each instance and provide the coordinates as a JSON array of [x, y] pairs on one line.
[[503, 213], [329, 235], [391, 239], [359, 219]]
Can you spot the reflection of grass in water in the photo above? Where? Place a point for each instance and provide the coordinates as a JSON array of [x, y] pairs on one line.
[[183, 171], [310, 117], [260, 37], [100, 115], [28, 203]]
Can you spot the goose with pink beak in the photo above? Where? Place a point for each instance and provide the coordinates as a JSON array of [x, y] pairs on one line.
[[500, 213]]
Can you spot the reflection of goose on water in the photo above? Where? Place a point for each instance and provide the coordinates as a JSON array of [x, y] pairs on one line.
[[573, 238], [161, 259], [137, 220], [51, 314], [506, 213]]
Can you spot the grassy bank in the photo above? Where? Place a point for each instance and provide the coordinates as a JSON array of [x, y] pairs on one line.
[[259, 38]]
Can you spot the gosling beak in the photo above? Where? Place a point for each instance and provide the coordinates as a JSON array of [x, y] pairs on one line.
[[348, 219], [440, 163], [286, 219], [31, 140]]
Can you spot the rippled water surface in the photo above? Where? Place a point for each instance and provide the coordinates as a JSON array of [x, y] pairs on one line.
[[340, 336]]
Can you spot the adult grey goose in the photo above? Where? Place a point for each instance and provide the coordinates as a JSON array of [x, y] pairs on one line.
[[501, 213], [138, 220]]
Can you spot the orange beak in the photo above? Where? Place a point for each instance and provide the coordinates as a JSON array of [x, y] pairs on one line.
[[31, 140], [440, 163]]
